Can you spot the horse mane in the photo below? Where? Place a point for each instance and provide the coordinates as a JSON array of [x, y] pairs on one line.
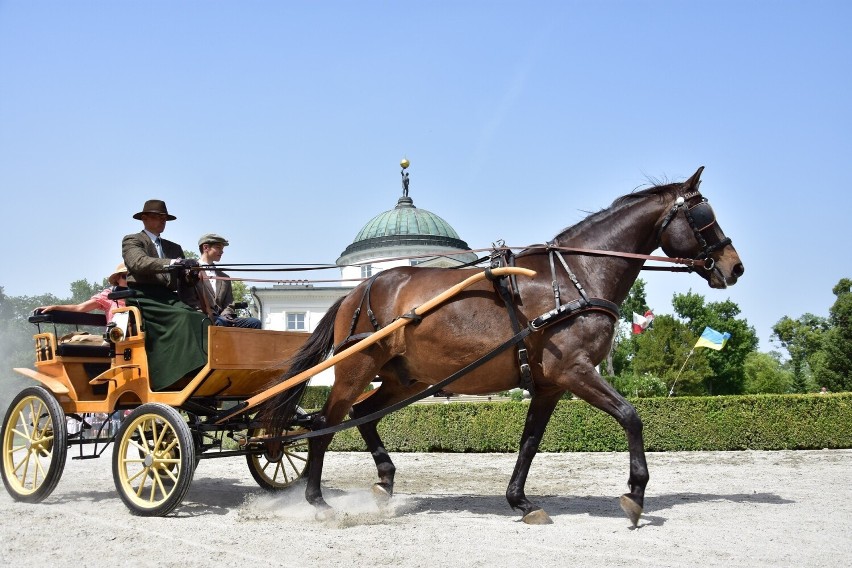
[[662, 191]]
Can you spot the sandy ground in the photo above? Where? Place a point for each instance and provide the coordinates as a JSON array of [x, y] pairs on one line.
[[702, 509]]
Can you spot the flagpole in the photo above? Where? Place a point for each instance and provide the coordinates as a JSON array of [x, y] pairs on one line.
[[671, 391]]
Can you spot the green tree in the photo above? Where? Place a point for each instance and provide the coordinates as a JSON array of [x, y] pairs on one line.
[[636, 301], [243, 294], [834, 366], [728, 376], [82, 290], [663, 351], [764, 374], [803, 339]]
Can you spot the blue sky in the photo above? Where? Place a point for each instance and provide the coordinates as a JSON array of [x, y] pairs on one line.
[[281, 125]]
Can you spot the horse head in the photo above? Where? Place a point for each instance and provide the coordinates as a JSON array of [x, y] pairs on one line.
[[690, 230]]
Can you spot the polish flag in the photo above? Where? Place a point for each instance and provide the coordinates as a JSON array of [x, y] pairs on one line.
[[641, 323]]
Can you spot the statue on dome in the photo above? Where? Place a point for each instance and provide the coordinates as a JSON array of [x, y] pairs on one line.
[[404, 163]]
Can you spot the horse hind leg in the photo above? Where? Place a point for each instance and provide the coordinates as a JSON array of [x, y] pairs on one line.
[[390, 392], [538, 415], [382, 489], [313, 488], [351, 377]]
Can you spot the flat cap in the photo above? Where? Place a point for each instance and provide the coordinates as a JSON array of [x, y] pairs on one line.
[[213, 239]]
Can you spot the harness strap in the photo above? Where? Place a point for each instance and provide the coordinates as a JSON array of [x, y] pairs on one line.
[[523, 355], [571, 275], [357, 312], [351, 340], [554, 284]]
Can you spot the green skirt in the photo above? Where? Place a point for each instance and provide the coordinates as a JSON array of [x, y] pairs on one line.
[[175, 335]]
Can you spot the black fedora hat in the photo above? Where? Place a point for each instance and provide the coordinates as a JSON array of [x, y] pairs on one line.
[[155, 206]]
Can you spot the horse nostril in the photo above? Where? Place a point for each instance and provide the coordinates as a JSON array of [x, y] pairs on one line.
[[738, 269]]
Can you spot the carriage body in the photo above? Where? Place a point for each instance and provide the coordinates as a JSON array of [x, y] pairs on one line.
[[94, 392]]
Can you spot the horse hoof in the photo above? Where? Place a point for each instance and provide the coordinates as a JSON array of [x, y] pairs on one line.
[[631, 508], [537, 517], [381, 494], [325, 515]]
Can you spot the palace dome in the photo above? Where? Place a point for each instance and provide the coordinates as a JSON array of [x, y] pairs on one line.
[[403, 226]]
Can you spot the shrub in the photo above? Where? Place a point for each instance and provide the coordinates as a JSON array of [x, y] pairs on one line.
[[759, 422]]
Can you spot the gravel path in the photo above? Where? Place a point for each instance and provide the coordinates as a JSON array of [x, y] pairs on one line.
[[702, 509]]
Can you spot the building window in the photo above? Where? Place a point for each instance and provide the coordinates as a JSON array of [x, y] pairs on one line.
[[296, 321], [366, 271]]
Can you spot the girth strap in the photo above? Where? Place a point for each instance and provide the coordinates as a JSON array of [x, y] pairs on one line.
[[572, 308]]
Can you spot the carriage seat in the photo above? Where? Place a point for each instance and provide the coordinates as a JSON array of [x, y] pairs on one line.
[[80, 344], [72, 349]]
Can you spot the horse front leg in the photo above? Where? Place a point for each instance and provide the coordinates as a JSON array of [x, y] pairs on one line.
[[538, 415], [588, 385], [633, 503]]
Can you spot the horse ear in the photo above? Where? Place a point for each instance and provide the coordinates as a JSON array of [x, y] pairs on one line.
[[693, 182]]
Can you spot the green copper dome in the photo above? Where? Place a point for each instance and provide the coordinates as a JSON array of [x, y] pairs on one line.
[[405, 224]]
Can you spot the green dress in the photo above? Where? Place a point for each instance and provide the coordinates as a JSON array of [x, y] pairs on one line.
[[175, 335]]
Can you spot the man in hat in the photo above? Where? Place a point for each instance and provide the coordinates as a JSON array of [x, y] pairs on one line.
[[175, 333], [215, 287], [146, 254]]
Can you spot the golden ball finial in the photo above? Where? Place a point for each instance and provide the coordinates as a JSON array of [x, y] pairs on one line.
[[404, 163]]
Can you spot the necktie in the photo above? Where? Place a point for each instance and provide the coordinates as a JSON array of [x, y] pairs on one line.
[[159, 246]]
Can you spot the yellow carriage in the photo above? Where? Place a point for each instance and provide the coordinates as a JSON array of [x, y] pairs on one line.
[[94, 390]]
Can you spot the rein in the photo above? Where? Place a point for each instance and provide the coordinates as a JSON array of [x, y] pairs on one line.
[[690, 264]]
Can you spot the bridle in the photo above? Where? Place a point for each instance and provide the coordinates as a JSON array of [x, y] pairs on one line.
[[702, 220]]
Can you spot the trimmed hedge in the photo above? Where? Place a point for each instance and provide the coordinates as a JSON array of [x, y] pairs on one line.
[[759, 422]]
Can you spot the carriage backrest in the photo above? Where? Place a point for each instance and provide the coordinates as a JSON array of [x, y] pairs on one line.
[[75, 345], [68, 318]]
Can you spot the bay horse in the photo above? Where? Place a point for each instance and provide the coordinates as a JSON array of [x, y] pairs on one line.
[[561, 357]]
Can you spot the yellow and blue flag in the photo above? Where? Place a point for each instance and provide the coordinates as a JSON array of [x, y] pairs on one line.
[[712, 339]]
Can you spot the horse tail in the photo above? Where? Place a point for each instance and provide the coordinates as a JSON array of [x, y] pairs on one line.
[[279, 410]]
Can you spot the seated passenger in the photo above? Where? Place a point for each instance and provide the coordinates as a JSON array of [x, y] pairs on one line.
[[175, 333], [217, 289], [99, 301]]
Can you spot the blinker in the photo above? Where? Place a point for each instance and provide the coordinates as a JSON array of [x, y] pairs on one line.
[[702, 215]]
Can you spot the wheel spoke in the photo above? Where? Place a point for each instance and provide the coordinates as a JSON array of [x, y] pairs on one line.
[[142, 439], [22, 420], [159, 438], [132, 478], [141, 487], [157, 483], [172, 475], [25, 462], [23, 434]]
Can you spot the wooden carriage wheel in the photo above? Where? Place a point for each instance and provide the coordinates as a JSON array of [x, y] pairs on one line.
[[154, 460], [281, 465], [35, 445]]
